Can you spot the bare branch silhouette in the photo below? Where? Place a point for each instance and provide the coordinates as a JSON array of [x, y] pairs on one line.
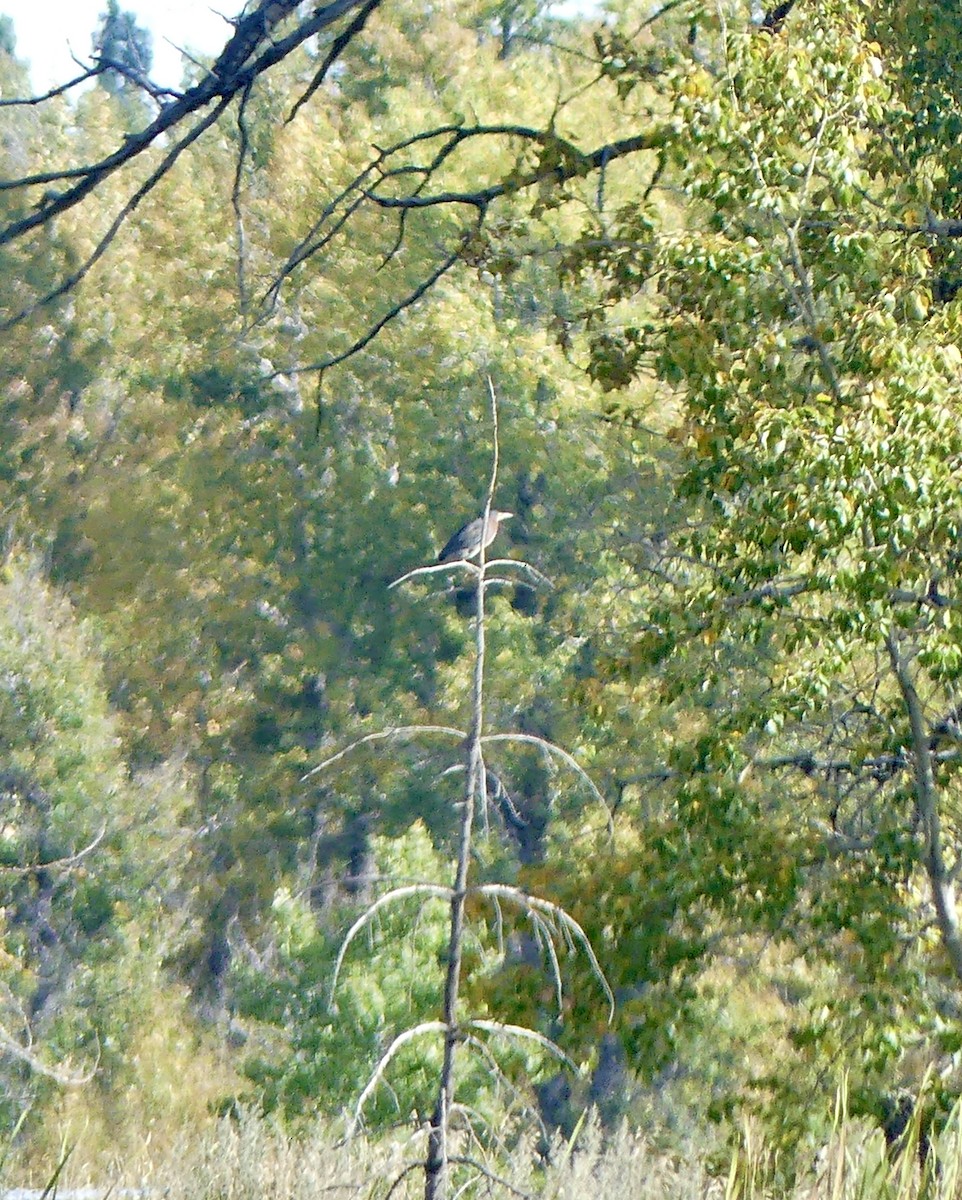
[[431, 890], [397, 733], [131, 205], [384, 1062], [65, 863]]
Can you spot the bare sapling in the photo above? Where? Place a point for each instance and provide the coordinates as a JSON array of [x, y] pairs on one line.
[[551, 922]]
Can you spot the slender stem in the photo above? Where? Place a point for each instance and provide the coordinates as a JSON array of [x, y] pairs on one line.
[[436, 1163]]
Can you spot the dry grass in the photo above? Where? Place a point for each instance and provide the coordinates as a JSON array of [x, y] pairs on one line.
[[251, 1159]]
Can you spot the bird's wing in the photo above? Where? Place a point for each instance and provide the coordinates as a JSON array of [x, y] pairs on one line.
[[454, 545]]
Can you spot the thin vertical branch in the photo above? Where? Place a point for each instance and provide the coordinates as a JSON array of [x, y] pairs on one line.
[[235, 196], [927, 800], [436, 1162]]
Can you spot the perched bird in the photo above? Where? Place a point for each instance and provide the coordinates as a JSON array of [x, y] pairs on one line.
[[466, 543]]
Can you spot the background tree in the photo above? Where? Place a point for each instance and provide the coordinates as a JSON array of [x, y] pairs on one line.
[[124, 49], [8, 36], [712, 269]]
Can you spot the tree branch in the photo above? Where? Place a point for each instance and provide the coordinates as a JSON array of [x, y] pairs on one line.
[[339, 44], [230, 75], [133, 203], [927, 799], [572, 164]]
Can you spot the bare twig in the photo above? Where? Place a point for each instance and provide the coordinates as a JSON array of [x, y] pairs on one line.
[[522, 1033], [435, 891], [23, 101], [474, 569], [66, 863], [550, 748], [397, 733], [537, 904], [393, 312], [384, 1062], [337, 46]]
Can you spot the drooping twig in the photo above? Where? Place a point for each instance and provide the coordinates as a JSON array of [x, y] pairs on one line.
[[384, 1061], [399, 732], [435, 891], [521, 1032], [503, 891]]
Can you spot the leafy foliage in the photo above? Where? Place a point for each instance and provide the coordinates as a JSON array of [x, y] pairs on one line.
[[729, 362]]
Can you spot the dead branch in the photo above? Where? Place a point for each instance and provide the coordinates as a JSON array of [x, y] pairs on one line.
[[435, 891], [60, 90], [498, 1073], [235, 196], [133, 203], [394, 311], [102, 65], [9, 1045], [464, 1161], [337, 46], [249, 53], [230, 75], [385, 1061], [536, 904], [551, 749], [569, 163], [473, 568], [399, 732], [66, 863], [560, 159], [436, 1158], [521, 1032]]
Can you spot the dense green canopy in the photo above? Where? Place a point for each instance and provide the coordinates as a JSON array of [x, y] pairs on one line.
[[708, 262]]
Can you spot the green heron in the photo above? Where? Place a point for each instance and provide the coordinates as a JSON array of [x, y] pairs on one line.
[[466, 543]]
